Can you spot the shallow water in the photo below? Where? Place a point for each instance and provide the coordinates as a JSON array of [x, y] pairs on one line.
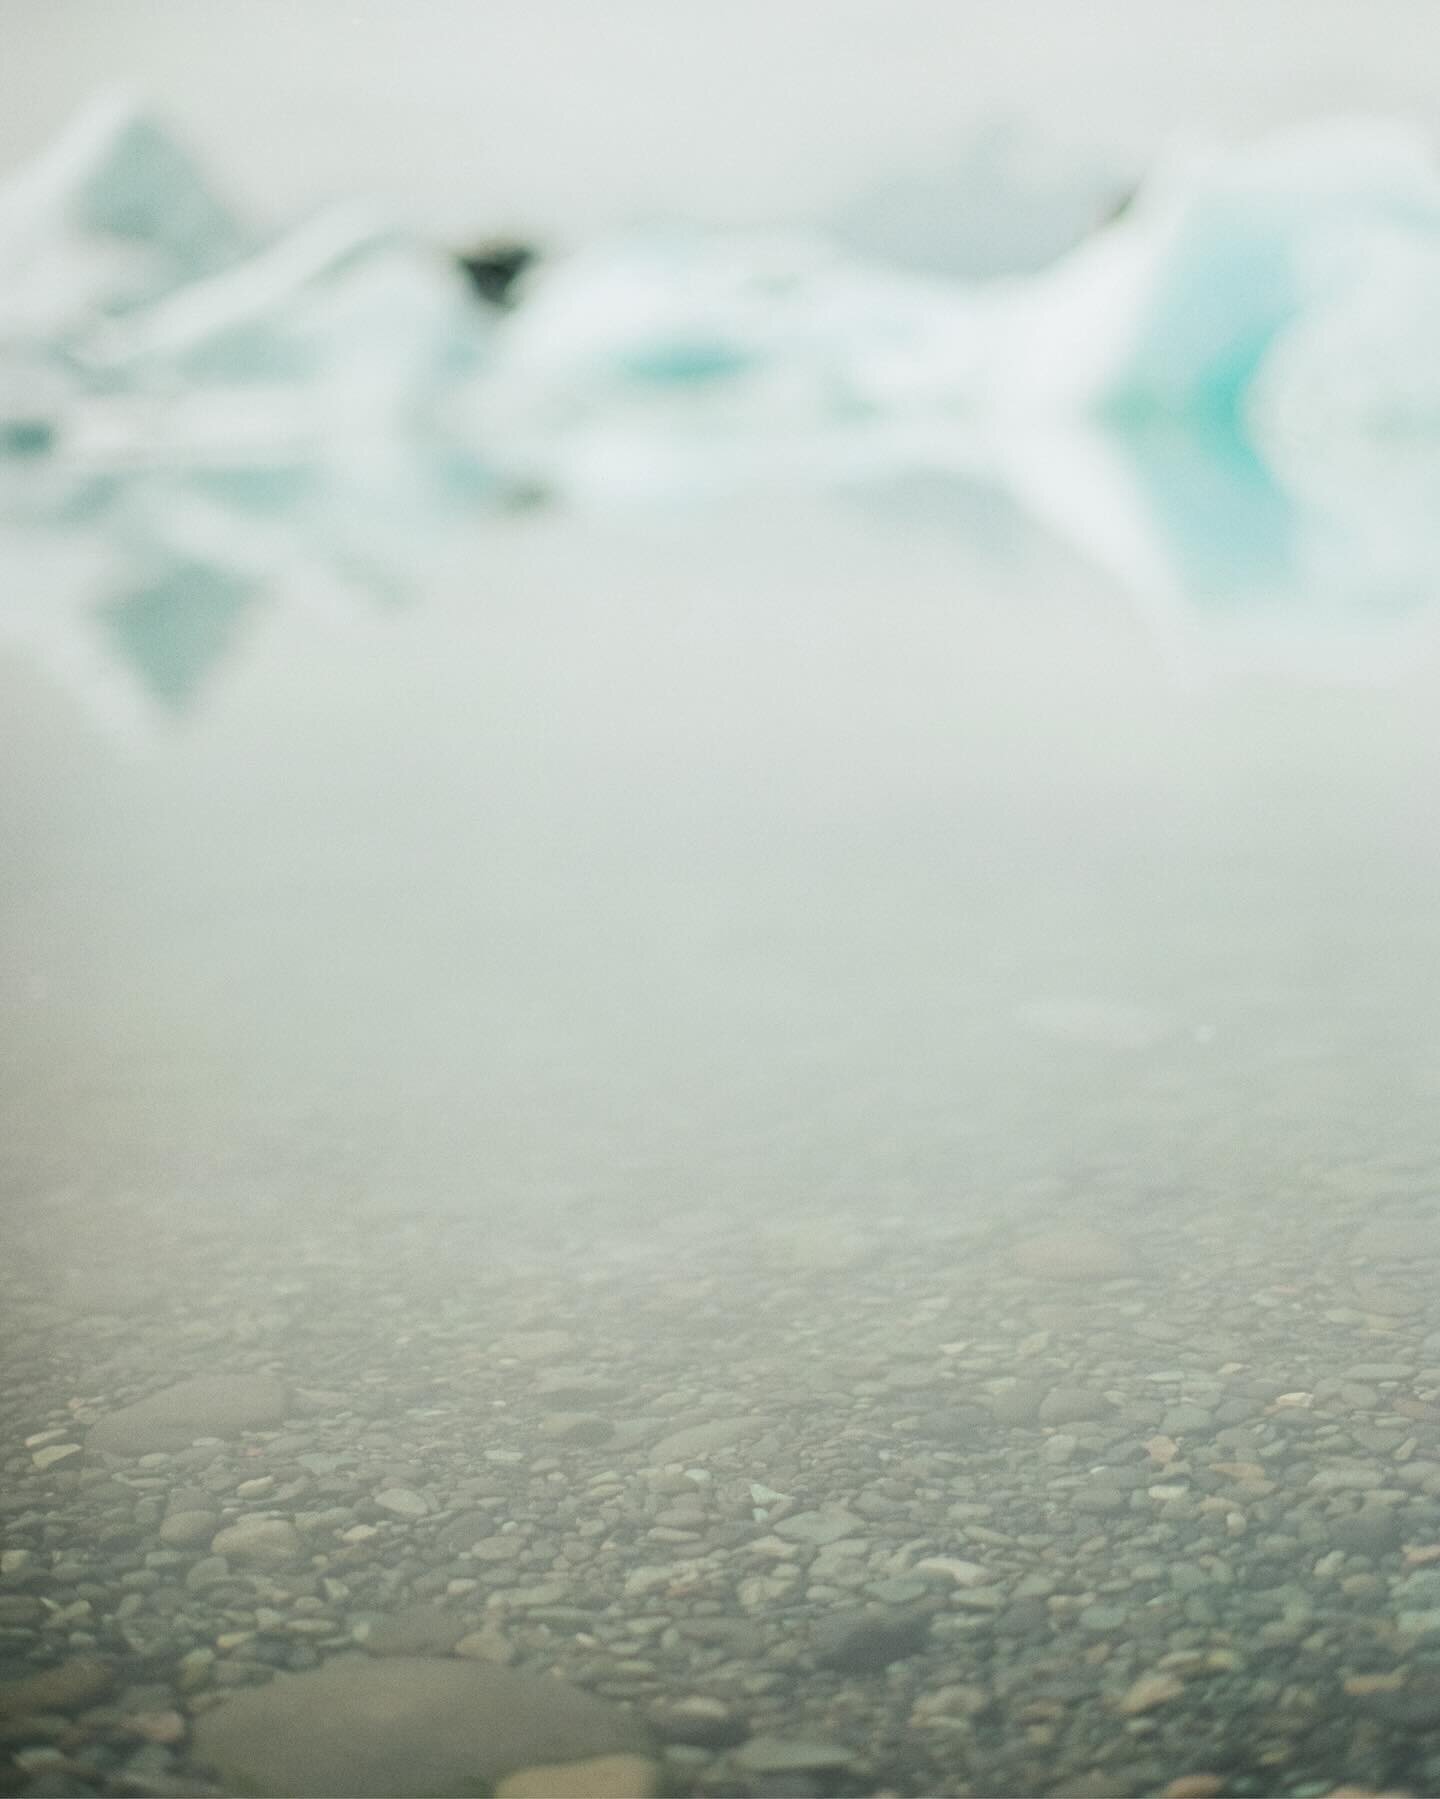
[[750, 836], [747, 921]]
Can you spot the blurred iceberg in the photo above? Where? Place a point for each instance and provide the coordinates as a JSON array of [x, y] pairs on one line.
[[1203, 296], [1228, 397], [1179, 306], [742, 335], [1231, 399], [109, 217], [141, 321], [1280, 290]]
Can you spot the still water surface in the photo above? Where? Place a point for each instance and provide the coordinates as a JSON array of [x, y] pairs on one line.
[[751, 849], [621, 1009]]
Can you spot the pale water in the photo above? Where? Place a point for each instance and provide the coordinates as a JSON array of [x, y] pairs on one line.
[[743, 842], [745, 938]]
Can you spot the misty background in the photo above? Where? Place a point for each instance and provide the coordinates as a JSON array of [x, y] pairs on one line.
[[565, 119]]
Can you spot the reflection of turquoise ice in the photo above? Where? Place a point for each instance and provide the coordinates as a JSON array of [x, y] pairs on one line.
[[176, 629], [135, 590], [1229, 530], [1233, 568]]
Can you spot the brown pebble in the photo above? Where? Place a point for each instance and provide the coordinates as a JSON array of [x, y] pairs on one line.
[[1148, 1692], [486, 1645], [1360, 1686], [1194, 1786], [697, 1719], [157, 1727]]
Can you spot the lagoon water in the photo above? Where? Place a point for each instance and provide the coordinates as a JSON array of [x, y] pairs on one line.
[[741, 937], [736, 841]]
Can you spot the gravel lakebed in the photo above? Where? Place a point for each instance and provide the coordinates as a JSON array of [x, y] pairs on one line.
[[1140, 1503]]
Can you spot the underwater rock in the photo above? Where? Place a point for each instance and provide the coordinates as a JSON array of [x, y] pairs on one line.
[[404, 1725], [217, 1405]]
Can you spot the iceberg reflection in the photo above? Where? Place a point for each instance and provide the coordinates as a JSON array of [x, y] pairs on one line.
[[135, 588]]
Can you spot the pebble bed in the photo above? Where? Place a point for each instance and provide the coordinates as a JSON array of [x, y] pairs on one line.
[[1049, 1505]]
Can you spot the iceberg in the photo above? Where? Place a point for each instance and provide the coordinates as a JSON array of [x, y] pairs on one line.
[[1228, 397], [1282, 289], [196, 416], [141, 320], [109, 217], [739, 336], [340, 326], [1177, 306]]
